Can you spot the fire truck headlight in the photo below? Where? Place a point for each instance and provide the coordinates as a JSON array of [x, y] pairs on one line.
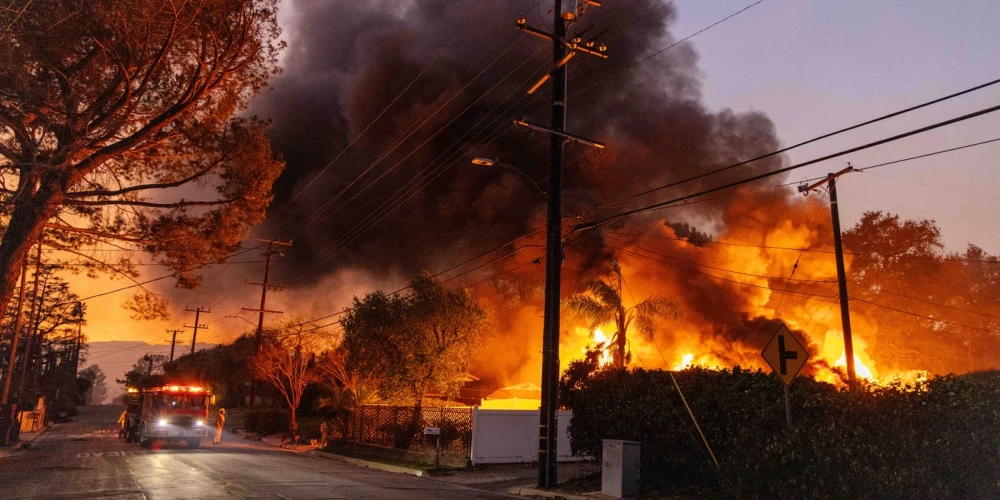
[[163, 422], [199, 423]]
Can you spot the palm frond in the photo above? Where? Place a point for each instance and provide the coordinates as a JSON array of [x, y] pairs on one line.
[[605, 292], [590, 308], [651, 309]]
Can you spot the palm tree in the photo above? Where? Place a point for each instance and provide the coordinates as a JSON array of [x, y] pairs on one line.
[[602, 303]]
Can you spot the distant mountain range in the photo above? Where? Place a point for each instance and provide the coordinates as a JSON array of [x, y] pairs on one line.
[[116, 357]]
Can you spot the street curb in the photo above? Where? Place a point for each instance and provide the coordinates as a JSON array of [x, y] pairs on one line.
[[21, 444], [371, 464], [526, 491]]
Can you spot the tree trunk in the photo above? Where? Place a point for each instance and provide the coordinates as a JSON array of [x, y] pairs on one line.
[[293, 425], [622, 345], [26, 225]]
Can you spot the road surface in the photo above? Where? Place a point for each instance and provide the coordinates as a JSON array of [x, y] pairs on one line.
[[85, 459]]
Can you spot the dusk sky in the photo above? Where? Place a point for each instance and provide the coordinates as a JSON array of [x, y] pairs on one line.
[[812, 67], [816, 66], [735, 248]]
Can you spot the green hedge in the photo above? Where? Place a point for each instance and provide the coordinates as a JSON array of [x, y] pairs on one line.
[[941, 440]]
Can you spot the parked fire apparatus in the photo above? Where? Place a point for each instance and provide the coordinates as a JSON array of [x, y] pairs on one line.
[[167, 413]]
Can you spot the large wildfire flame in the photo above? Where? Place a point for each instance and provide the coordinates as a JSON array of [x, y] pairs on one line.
[[748, 266]]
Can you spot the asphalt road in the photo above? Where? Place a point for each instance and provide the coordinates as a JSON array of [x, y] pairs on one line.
[[85, 459]]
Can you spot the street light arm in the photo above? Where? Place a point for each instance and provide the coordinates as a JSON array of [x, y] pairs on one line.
[[525, 176]]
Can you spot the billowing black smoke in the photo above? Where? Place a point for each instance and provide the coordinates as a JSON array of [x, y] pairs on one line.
[[428, 206], [348, 60]]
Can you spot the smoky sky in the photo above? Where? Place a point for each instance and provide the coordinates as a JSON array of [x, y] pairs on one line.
[[347, 61]]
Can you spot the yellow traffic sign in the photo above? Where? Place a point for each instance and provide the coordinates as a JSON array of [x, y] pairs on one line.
[[785, 354]]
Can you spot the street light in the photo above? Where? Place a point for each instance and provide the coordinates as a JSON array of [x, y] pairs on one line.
[[486, 162]]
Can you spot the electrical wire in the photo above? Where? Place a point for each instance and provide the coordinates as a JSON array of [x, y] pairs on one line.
[[653, 259], [826, 136], [940, 188], [980, 143], [333, 199], [890, 292], [772, 173], [176, 273], [721, 268], [369, 126], [883, 306], [407, 191], [939, 214], [668, 47], [413, 187]]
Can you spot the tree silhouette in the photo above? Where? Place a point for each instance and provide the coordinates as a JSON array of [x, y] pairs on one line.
[[602, 304], [117, 130], [287, 361], [411, 344]]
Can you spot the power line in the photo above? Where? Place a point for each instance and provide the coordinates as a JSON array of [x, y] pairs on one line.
[[772, 173], [828, 135], [795, 267], [713, 242], [966, 193], [668, 47], [931, 212], [199, 266], [720, 268], [980, 143], [883, 290], [367, 127], [440, 52], [635, 254], [406, 191], [329, 203], [883, 306], [451, 268], [507, 271], [416, 184]]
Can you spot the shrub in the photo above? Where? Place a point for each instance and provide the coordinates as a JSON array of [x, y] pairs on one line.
[[937, 440], [267, 421]]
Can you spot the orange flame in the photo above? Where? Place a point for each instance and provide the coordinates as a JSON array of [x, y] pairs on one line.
[[686, 361], [601, 339]]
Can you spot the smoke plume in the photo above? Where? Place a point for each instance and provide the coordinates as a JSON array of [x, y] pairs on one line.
[[428, 207]]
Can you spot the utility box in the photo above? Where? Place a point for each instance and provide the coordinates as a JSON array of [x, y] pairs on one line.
[[620, 468]]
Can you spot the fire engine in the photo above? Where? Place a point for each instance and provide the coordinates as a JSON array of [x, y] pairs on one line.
[[168, 413]]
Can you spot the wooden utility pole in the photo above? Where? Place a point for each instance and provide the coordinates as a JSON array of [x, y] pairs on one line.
[[78, 312], [15, 336], [563, 49], [173, 341], [838, 247], [197, 325], [263, 305]]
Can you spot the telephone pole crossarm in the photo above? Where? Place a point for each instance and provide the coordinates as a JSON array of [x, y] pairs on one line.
[[271, 243], [805, 189], [571, 137], [569, 45], [246, 309], [270, 287]]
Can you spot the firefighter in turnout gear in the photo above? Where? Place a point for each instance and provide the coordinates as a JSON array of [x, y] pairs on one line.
[[220, 421]]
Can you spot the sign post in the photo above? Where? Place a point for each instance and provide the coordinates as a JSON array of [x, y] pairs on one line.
[[436, 432], [786, 356]]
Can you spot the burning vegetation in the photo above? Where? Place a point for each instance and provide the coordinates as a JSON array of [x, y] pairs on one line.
[[400, 199], [731, 291]]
